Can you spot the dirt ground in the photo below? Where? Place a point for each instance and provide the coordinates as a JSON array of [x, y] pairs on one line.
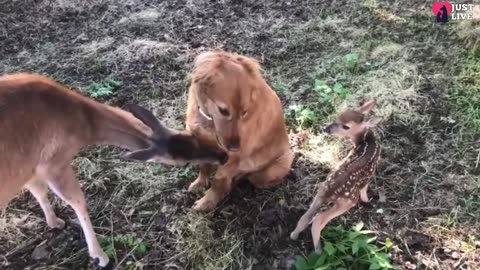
[[430, 162]]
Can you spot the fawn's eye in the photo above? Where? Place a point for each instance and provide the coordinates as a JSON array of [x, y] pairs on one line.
[[345, 127], [244, 113], [224, 111]]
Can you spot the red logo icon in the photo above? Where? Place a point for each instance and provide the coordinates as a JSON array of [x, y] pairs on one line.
[[437, 7], [441, 11]]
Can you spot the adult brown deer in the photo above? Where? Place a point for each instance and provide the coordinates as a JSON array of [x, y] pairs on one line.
[[351, 178], [44, 125]]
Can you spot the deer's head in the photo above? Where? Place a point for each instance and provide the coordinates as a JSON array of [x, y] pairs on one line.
[[173, 147], [353, 122]]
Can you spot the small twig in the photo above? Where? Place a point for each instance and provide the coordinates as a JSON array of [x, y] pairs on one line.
[[418, 208], [478, 159]]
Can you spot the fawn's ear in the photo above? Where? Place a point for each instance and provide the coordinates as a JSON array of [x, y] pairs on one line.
[[141, 155], [373, 122], [148, 119], [367, 106]]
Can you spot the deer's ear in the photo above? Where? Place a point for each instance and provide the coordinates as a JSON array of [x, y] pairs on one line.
[[373, 122], [141, 155], [367, 106], [148, 119]]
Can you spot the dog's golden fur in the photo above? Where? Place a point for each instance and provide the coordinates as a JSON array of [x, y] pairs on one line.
[[230, 104]]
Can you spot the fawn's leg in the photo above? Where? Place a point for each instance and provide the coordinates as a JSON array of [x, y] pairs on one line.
[[363, 194], [39, 190], [320, 220], [274, 174], [67, 187], [202, 179], [306, 219]]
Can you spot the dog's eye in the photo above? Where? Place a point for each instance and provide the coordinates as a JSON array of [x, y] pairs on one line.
[[223, 111], [345, 127]]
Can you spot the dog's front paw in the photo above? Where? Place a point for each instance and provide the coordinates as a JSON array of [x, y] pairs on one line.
[[204, 204], [194, 187]]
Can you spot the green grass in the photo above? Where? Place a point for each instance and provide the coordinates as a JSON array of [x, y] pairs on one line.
[[465, 94], [127, 242], [325, 97], [280, 87]]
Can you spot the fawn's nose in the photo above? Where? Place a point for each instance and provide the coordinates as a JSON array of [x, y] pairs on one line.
[[328, 129]]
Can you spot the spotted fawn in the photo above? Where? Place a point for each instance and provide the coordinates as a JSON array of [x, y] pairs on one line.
[[350, 180]]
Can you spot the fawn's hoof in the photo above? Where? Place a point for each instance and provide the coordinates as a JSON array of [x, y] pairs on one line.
[[318, 248]]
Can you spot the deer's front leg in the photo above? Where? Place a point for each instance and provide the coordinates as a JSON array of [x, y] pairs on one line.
[[221, 185], [307, 217]]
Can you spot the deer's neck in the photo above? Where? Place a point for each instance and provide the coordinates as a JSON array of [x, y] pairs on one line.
[[366, 151], [367, 137]]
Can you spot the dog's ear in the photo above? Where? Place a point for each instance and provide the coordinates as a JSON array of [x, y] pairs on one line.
[[149, 119]]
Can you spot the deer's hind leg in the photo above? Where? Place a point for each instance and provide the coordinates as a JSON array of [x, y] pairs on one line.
[[320, 220], [63, 182], [39, 190], [307, 218]]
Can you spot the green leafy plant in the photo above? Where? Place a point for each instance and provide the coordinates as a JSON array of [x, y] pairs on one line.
[[329, 94], [126, 241], [186, 173], [280, 87], [103, 89], [303, 116], [351, 61], [348, 249]]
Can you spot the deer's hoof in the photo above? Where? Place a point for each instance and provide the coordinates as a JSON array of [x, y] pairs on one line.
[[97, 266], [57, 223]]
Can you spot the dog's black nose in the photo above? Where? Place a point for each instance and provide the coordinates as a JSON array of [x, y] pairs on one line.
[[223, 158], [234, 145]]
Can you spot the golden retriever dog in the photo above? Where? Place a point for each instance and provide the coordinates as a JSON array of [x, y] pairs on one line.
[[231, 105]]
